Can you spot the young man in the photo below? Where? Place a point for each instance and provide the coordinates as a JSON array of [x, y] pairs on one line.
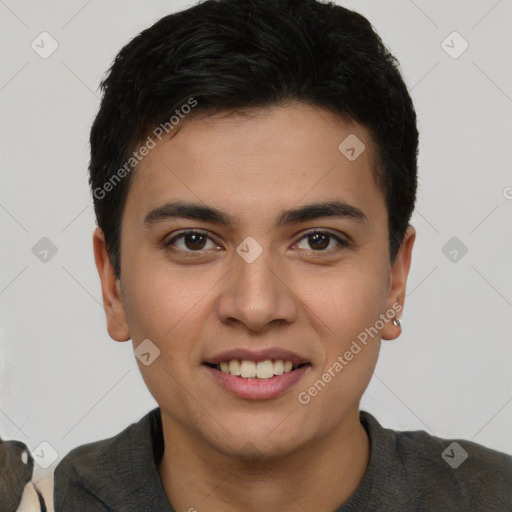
[[253, 167]]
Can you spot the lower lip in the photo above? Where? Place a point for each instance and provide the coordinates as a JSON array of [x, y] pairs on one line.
[[258, 389]]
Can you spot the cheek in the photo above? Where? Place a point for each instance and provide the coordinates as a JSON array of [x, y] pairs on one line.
[[170, 308], [164, 309], [346, 307], [346, 300], [159, 301]]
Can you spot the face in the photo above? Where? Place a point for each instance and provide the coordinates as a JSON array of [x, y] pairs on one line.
[[247, 276]]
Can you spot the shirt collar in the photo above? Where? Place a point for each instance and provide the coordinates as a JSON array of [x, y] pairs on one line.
[[124, 473]]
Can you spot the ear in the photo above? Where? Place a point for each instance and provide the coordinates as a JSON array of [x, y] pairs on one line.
[[111, 289], [398, 280]]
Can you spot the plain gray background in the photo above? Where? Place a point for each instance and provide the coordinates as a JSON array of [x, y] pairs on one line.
[[64, 382]]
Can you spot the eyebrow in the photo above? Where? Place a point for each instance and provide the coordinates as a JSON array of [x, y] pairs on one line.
[[185, 210]]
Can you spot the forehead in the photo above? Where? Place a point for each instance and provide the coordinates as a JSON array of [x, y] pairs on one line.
[[271, 158]]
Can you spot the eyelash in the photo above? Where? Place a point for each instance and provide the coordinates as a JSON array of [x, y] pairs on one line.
[[343, 244]]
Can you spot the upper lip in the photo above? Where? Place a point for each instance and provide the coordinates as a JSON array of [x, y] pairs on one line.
[[257, 355]]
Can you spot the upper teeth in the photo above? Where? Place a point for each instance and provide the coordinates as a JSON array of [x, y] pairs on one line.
[[251, 370]]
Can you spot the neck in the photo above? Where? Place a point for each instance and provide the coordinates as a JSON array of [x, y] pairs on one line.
[[320, 476]]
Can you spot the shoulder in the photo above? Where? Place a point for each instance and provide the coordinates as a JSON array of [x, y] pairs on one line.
[[456, 472], [94, 474]]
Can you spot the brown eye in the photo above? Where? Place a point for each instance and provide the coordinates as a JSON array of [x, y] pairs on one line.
[[192, 241], [321, 240]]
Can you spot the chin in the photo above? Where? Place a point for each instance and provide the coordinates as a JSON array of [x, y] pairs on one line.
[[257, 441]]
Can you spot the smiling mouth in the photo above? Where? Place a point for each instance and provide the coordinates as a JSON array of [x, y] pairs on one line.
[[261, 370]]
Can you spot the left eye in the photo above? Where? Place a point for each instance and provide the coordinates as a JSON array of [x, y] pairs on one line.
[[320, 240]]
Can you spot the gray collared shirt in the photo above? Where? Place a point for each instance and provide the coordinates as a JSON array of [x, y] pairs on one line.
[[407, 471]]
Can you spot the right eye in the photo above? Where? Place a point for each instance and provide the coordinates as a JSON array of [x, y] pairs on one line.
[[190, 241]]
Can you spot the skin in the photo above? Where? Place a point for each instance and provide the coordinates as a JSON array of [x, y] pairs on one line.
[[223, 452]]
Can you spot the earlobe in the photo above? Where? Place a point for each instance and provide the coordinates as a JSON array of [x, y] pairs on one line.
[[111, 290], [398, 281]]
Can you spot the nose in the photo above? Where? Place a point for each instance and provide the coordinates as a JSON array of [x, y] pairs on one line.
[[257, 294]]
